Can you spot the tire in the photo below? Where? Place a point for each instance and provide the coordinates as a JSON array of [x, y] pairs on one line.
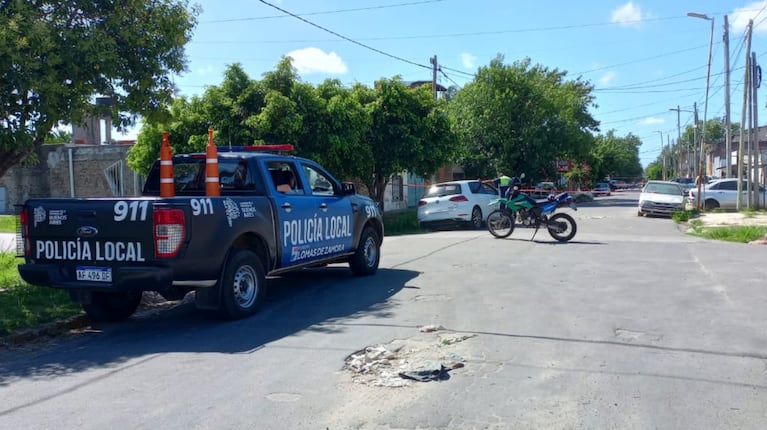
[[243, 285], [365, 260], [639, 213], [111, 307], [710, 204], [500, 224], [568, 233], [476, 218]]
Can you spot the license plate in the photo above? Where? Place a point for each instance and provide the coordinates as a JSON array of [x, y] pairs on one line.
[[95, 274]]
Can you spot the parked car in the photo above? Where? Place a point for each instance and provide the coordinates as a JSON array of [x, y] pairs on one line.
[[661, 198], [449, 204], [686, 183], [723, 194], [601, 189], [543, 189]]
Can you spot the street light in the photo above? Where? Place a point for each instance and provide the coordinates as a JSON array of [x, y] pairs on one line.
[[705, 109], [679, 145]]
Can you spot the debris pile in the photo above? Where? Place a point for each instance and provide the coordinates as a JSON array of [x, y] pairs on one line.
[[402, 361]]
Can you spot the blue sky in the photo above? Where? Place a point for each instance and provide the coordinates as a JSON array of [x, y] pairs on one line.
[[643, 57]]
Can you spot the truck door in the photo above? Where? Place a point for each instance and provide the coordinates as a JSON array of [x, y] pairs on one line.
[[314, 218]]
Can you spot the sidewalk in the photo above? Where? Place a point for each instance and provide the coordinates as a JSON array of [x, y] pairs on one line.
[[7, 242], [720, 219]]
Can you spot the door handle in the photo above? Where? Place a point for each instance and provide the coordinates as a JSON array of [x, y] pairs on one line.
[[324, 207], [287, 207]]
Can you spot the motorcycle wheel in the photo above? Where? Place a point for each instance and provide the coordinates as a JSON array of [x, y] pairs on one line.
[[500, 223], [562, 227]]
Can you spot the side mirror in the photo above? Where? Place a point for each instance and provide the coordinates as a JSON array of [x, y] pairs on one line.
[[349, 188]]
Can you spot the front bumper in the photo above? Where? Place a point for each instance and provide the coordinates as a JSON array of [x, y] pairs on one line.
[[664, 209], [135, 278]]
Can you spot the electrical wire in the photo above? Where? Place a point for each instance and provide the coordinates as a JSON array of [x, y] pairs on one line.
[[327, 12], [346, 38]]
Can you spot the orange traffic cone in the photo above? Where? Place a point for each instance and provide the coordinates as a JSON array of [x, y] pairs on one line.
[[166, 168], [212, 187]]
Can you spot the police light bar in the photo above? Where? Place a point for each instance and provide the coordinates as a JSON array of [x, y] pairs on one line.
[[259, 148]]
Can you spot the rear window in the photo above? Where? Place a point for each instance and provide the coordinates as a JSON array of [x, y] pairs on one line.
[[189, 176], [673, 190], [443, 190]]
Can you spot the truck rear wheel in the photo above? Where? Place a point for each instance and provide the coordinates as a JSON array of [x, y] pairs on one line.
[[365, 261], [109, 307], [243, 286]]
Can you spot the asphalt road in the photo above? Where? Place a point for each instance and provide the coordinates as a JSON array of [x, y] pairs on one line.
[[633, 325]]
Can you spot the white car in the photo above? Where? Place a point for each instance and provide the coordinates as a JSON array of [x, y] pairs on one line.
[[661, 198], [723, 194], [448, 204]]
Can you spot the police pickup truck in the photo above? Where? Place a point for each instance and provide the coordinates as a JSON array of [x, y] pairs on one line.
[[107, 251]]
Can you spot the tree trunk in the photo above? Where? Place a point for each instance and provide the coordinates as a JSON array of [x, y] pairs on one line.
[[13, 156], [377, 189]]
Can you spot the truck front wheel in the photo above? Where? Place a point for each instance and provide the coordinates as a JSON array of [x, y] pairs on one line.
[[109, 307], [365, 261], [243, 286]]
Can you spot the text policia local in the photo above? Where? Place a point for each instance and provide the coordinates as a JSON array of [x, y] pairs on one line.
[[317, 229], [88, 251]]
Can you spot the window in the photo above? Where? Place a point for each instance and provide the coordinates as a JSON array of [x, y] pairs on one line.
[[396, 188], [285, 178], [321, 184], [728, 186]]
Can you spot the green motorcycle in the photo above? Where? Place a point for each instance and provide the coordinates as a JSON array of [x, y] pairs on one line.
[[518, 207]]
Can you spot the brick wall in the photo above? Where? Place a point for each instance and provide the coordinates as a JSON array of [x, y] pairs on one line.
[[51, 176]]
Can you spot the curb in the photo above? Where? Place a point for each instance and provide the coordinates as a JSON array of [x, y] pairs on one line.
[[46, 330]]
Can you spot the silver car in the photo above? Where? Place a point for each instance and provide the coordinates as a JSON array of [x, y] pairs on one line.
[[660, 198], [723, 194]]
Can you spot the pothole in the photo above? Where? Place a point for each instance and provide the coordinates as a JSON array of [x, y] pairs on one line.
[[428, 356]]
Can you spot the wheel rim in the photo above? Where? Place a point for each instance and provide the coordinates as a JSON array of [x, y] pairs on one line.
[[371, 252], [476, 217], [499, 223], [245, 286]]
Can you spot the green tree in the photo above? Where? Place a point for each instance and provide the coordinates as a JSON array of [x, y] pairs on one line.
[[617, 157], [59, 54], [522, 118], [654, 171], [410, 130]]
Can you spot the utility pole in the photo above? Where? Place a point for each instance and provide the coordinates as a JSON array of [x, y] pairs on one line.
[[727, 125], [433, 61], [679, 138], [663, 156], [699, 174], [746, 92], [753, 191]]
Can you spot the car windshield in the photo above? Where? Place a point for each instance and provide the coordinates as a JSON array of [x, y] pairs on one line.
[[440, 190], [670, 189]]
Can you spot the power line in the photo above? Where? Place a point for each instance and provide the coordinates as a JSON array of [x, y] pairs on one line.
[[327, 12], [346, 38]]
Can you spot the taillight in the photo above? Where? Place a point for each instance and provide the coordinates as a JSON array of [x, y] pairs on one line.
[[460, 198], [169, 232], [422, 203], [23, 247]]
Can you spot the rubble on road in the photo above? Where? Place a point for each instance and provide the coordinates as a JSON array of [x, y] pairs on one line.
[[400, 362]]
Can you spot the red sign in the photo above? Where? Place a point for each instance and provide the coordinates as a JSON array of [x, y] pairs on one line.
[[564, 166]]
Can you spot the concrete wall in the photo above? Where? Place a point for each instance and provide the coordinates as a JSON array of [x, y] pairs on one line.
[[88, 174]]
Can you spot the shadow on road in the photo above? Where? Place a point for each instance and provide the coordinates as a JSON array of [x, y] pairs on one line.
[[312, 299]]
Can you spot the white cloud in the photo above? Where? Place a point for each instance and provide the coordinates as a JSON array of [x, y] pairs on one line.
[[628, 15], [315, 60], [607, 78], [469, 61], [650, 120], [740, 16], [204, 71]]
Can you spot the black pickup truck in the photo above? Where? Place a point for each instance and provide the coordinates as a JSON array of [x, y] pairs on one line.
[[107, 251]]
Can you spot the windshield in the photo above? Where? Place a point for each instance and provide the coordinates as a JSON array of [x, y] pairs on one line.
[[670, 189], [443, 190]]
